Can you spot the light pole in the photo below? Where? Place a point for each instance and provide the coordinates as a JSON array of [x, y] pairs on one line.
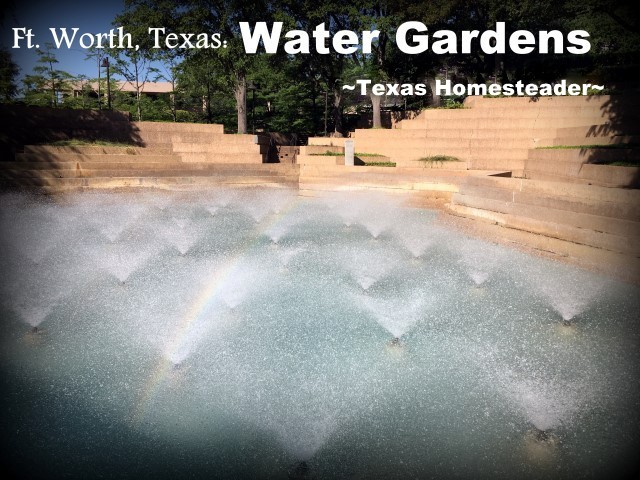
[[99, 73], [105, 63], [326, 106], [253, 87]]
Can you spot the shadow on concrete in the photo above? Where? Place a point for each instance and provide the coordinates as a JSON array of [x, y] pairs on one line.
[[621, 124], [22, 125]]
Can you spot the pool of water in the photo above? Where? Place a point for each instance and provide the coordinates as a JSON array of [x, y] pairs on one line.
[[237, 333]]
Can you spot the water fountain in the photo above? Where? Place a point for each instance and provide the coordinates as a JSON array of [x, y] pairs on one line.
[[480, 260], [569, 294], [368, 266], [417, 238], [257, 332]]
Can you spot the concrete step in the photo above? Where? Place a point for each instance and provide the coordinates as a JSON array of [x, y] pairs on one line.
[[98, 157], [624, 267], [571, 162], [448, 165], [113, 133], [95, 165], [593, 175], [146, 166], [97, 149], [460, 150], [448, 143], [604, 102], [599, 140], [222, 157], [219, 148], [498, 123], [559, 201], [554, 189], [584, 155], [507, 164], [159, 137], [611, 176], [371, 145], [320, 159], [445, 132], [73, 184], [89, 173], [177, 127], [416, 173], [598, 134], [320, 149], [330, 141], [386, 134], [519, 217], [587, 221], [549, 112]]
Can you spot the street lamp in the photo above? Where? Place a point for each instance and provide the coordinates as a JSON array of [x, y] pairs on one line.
[[105, 63], [99, 93], [326, 107], [253, 87]]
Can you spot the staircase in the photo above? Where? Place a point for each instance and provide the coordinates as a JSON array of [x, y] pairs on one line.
[[168, 155], [496, 133], [203, 143], [591, 215]]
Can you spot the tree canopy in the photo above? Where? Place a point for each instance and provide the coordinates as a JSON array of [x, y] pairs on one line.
[[303, 93]]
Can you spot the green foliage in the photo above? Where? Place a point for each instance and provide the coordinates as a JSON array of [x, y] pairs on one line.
[[379, 164], [45, 87], [453, 101], [439, 159], [8, 75], [328, 154]]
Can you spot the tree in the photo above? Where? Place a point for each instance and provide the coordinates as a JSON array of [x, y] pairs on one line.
[[138, 66], [8, 74], [134, 64], [47, 84], [135, 68], [170, 62], [231, 62]]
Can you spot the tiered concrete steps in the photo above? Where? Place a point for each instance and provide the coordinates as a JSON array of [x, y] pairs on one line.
[[21, 125], [584, 165], [53, 169], [599, 217], [204, 142], [495, 134], [602, 134]]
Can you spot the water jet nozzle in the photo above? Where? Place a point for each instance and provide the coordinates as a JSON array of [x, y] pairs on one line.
[[35, 330], [566, 323], [300, 471], [541, 435]]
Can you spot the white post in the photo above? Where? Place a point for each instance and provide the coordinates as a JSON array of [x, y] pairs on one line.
[[349, 152]]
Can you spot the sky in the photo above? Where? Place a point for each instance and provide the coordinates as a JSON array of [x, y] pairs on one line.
[[93, 16]]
